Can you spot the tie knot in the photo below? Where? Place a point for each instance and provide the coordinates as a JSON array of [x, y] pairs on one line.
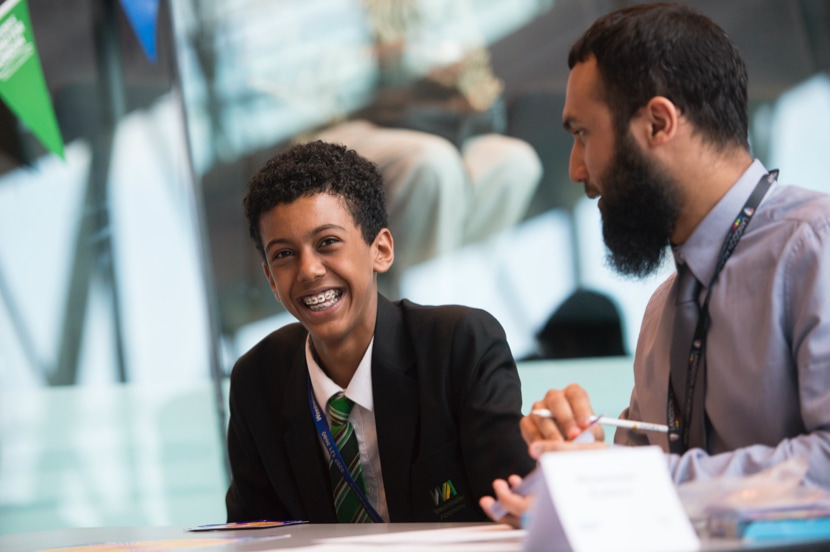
[[339, 408], [686, 285]]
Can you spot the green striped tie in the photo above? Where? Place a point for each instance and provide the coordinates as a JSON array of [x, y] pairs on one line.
[[346, 503]]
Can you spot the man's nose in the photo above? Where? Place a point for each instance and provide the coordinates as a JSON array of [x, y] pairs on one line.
[[576, 167]]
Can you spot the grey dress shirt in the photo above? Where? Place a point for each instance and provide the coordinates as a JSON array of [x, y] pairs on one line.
[[768, 350]]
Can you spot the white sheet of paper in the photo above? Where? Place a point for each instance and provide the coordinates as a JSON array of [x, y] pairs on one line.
[[479, 538], [615, 499]]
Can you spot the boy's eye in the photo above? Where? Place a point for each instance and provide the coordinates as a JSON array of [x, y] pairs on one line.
[[328, 241], [280, 254]]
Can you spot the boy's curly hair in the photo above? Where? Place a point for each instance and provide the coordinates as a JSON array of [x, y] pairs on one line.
[[313, 168]]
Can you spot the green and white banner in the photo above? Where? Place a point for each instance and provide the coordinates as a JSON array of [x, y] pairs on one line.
[[22, 86]]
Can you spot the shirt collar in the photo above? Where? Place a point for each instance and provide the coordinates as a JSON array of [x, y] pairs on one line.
[[359, 389], [700, 251]]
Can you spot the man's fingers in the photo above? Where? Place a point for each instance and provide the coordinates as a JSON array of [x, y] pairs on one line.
[[580, 403], [540, 427], [538, 448], [571, 412], [571, 408]]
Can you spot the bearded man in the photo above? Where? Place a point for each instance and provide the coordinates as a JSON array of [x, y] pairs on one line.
[[733, 354]]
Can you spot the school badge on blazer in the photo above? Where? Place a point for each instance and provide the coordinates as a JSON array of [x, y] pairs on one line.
[[447, 501]]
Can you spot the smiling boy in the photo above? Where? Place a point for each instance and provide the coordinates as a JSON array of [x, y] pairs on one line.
[[433, 392]]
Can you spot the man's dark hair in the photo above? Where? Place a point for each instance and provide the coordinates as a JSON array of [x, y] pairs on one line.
[[669, 50], [313, 168]]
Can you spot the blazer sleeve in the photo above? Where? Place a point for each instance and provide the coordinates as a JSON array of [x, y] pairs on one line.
[[250, 496], [490, 409]]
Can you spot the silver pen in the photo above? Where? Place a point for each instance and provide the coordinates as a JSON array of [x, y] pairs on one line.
[[617, 422]]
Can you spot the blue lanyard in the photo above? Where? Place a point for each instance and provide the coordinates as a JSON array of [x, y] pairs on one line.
[[679, 427], [334, 453]]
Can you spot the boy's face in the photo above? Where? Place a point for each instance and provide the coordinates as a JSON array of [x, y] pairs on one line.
[[322, 270]]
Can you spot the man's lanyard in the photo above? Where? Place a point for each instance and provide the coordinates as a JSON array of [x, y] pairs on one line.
[[334, 453], [679, 428]]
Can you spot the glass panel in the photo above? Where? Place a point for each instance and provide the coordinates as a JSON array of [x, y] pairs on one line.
[[108, 412], [260, 75]]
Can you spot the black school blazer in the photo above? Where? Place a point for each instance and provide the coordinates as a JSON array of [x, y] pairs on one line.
[[447, 402]]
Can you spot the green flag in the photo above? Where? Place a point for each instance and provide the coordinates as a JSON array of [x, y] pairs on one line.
[[22, 86]]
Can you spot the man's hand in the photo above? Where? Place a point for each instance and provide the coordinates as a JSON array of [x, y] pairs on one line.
[[571, 413]]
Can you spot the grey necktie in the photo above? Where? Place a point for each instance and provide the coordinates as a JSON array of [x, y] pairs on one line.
[[687, 312]]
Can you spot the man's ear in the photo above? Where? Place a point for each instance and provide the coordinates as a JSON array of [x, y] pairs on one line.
[[383, 249], [658, 121], [271, 281]]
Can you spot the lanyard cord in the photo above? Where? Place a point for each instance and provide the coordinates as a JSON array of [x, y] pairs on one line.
[[679, 428], [334, 453]]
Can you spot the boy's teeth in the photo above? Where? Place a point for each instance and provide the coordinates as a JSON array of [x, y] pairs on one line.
[[328, 294], [322, 300]]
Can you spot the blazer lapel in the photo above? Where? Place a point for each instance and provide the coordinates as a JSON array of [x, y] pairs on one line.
[[395, 393], [303, 446]]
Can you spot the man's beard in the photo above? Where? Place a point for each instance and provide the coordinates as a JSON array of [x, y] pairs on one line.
[[640, 205]]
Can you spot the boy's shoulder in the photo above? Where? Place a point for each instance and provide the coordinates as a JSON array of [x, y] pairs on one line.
[[443, 316], [283, 343], [441, 311]]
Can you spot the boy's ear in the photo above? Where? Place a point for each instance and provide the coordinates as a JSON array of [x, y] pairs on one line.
[[383, 249], [271, 281]]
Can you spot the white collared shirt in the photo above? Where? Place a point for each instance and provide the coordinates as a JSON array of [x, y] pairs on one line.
[[362, 418]]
